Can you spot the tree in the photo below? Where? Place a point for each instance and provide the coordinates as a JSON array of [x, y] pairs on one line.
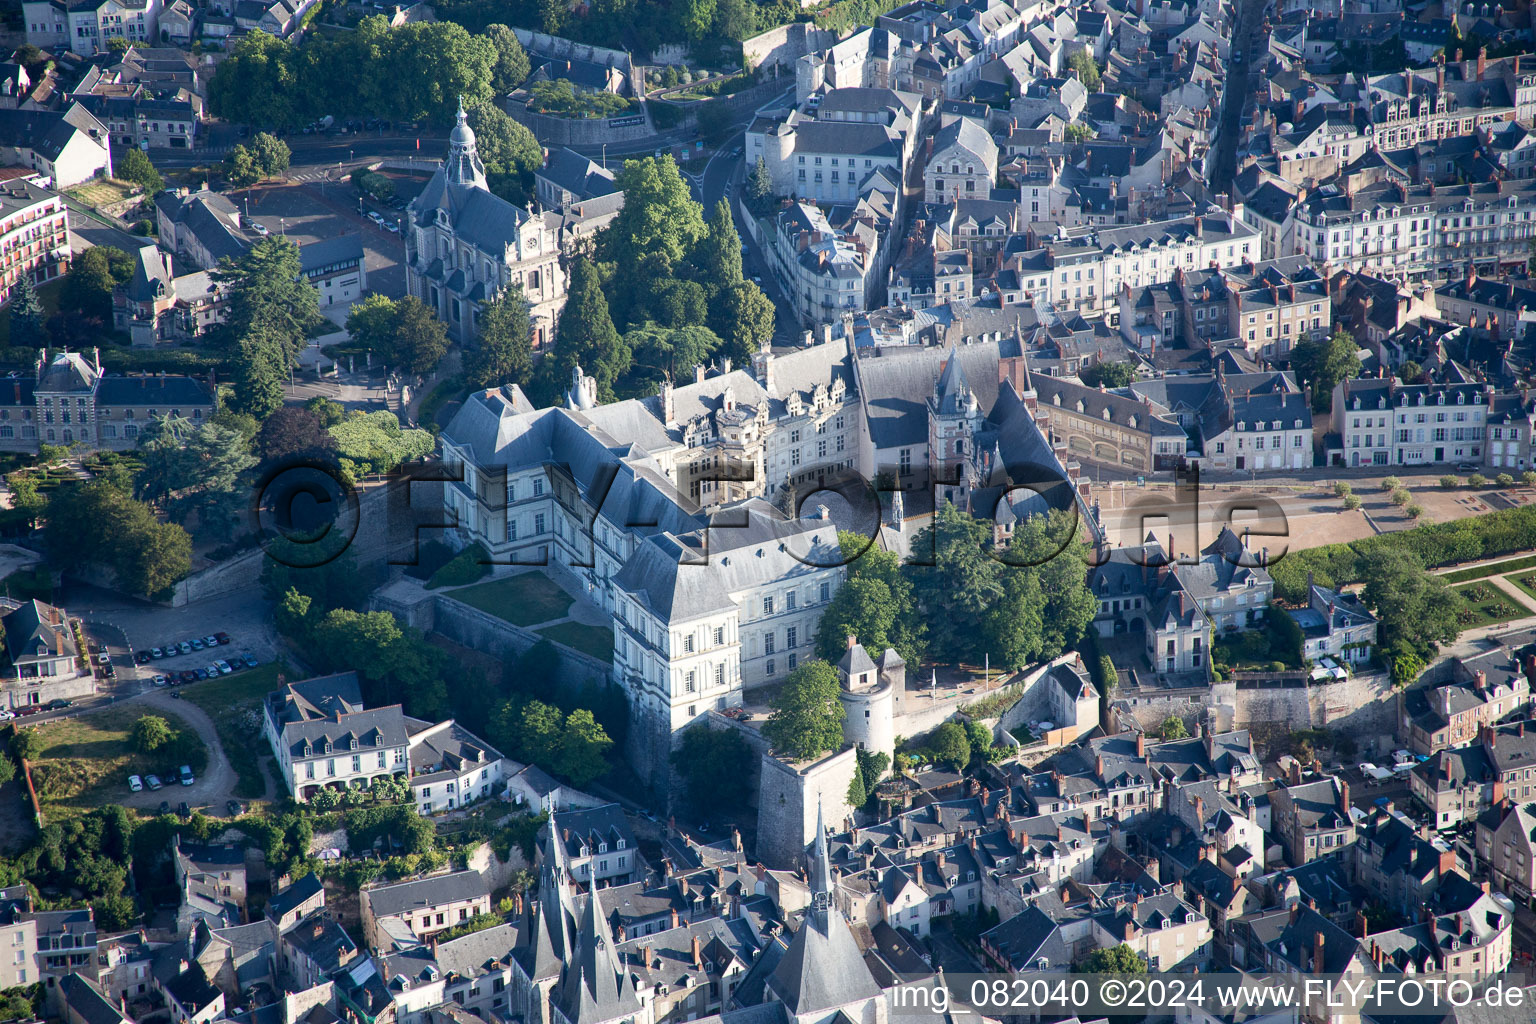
[[293, 616], [135, 167], [875, 604], [1112, 374], [257, 83], [716, 767], [1173, 728], [27, 744], [585, 337], [26, 500], [93, 523], [1046, 606], [669, 352], [507, 148], [746, 320], [1324, 364], [655, 231], [371, 323], [696, 17], [957, 591], [272, 307], [718, 255], [292, 434], [1410, 371], [807, 718], [421, 340], [271, 155], [511, 66], [28, 321], [758, 190], [92, 276], [330, 411], [1087, 70], [505, 352], [241, 168], [583, 748], [150, 733], [1417, 610], [1121, 959], [950, 745]]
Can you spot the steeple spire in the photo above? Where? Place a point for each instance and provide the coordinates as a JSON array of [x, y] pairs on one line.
[[821, 868]]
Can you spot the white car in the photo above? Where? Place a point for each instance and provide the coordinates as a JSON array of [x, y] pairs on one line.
[[6, 714], [135, 783], [261, 229]]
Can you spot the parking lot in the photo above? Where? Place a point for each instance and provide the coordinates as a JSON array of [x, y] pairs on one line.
[[328, 207]]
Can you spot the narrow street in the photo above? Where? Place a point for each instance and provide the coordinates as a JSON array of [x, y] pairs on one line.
[[1221, 162]]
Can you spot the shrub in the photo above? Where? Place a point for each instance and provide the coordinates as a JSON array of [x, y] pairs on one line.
[[1352, 502], [1399, 496], [1450, 483], [1477, 480], [1504, 480], [1528, 478], [1413, 510], [144, 228], [1342, 488], [1391, 483]]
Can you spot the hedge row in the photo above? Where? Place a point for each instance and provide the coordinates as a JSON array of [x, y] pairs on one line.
[[1435, 544]]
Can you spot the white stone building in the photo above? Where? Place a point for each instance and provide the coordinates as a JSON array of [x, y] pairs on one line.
[[87, 27]]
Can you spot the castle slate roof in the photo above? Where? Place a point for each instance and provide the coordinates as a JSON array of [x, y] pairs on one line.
[[421, 893], [143, 389]]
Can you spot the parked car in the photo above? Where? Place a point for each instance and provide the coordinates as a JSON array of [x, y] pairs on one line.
[[214, 671], [235, 808], [188, 676], [165, 807], [186, 775], [261, 229], [184, 647], [392, 227], [141, 657], [222, 638], [155, 652], [183, 811], [162, 680], [153, 781], [250, 660], [196, 643], [211, 640], [6, 714], [59, 704], [109, 670], [222, 667], [200, 674], [135, 784]]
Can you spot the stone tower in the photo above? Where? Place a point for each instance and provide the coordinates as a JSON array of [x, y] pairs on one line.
[[463, 166], [869, 697]]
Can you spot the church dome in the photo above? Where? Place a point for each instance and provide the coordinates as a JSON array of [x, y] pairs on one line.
[[462, 134]]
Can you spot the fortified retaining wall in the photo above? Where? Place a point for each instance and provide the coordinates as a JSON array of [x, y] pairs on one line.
[[786, 44], [789, 797]]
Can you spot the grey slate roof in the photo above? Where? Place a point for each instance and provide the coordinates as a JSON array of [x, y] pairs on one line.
[[420, 893]]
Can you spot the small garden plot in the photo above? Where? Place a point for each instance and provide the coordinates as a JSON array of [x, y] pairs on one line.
[[1487, 605]]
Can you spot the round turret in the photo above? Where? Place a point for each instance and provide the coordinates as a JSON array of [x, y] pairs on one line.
[[868, 694]]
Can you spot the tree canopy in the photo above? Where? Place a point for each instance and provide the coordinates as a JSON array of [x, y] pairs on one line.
[[1324, 364], [95, 523], [272, 308], [807, 718], [504, 354]]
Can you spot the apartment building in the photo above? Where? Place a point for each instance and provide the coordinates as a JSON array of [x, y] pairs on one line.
[[1312, 819], [826, 272], [962, 163], [87, 27], [34, 235], [1382, 422]]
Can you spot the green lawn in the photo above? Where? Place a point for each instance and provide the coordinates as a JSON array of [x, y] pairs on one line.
[[234, 704], [1526, 581], [1487, 605], [86, 761], [594, 640], [47, 294], [1492, 569], [526, 599]]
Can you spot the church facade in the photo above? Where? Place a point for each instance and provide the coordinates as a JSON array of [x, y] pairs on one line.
[[464, 244]]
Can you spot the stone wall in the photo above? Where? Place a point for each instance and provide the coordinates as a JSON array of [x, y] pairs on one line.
[[789, 797], [485, 632], [497, 872], [588, 131], [786, 44]]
